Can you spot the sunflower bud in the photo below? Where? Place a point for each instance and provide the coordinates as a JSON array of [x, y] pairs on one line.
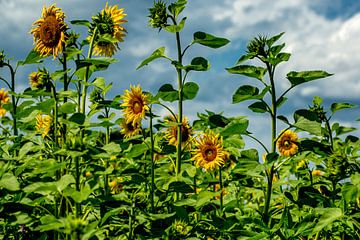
[[2, 58], [158, 16], [72, 38], [257, 46], [318, 109], [181, 228]]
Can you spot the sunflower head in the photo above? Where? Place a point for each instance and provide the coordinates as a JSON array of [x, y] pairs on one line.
[[43, 124], [130, 129], [287, 143], [180, 228], [39, 79], [49, 32], [171, 132], [209, 152], [135, 104], [158, 16], [257, 46], [109, 30], [4, 97]]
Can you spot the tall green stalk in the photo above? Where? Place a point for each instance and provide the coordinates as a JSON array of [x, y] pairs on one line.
[[271, 172], [152, 163]]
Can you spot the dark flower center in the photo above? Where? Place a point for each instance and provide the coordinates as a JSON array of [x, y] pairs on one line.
[[50, 31], [137, 107], [209, 153]]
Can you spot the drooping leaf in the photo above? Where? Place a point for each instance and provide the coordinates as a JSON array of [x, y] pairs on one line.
[[328, 216], [190, 89], [248, 70], [209, 40], [248, 92], [237, 126], [81, 23], [339, 106], [31, 58], [198, 64], [158, 53], [100, 63], [259, 107], [167, 93], [297, 78]]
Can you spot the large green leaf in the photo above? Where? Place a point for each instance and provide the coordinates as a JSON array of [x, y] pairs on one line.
[[68, 107], [158, 53], [338, 106], [190, 89], [77, 118], [9, 182], [198, 64], [101, 63], [209, 40], [248, 92], [249, 71], [259, 107], [328, 216], [297, 78], [312, 127], [31, 58], [167, 93], [237, 126]]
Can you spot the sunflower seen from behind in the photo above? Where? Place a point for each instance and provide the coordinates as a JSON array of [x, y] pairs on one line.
[[171, 131], [49, 32], [109, 30], [209, 153], [4, 99], [135, 105], [287, 143]]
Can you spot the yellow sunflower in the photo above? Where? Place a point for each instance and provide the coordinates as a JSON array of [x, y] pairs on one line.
[[287, 143], [171, 133], [130, 129], [38, 79], [49, 31], [4, 98], [135, 105], [109, 30], [43, 124], [209, 152]]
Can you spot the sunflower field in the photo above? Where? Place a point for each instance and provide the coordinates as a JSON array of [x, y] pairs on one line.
[[76, 164]]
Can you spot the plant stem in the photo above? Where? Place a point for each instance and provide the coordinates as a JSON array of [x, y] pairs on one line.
[[221, 191], [270, 174], [13, 99], [152, 163]]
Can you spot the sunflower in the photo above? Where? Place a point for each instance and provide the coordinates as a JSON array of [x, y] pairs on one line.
[[38, 79], [171, 133], [43, 124], [287, 143], [130, 129], [49, 33], [4, 98], [135, 105], [209, 152], [109, 30]]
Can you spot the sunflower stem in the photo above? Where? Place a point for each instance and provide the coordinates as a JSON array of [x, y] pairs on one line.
[[152, 163], [270, 174], [13, 99], [221, 191], [85, 83], [180, 108]]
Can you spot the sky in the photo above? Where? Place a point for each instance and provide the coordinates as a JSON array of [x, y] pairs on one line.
[[320, 35]]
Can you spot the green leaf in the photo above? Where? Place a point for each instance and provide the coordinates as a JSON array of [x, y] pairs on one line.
[[81, 22], [68, 108], [176, 28], [100, 63], [209, 40], [190, 89], [339, 130], [64, 181], [205, 197], [339, 106], [259, 107], [76, 195], [137, 150], [9, 182], [58, 74], [158, 53], [248, 92], [155, 217], [237, 126], [218, 120], [297, 78], [167, 93], [77, 118], [311, 127], [32, 57], [177, 7], [182, 187], [329, 215], [198, 64], [305, 114], [249, 71], [99, 82], [273, 39], [244, 58], [71, 52]]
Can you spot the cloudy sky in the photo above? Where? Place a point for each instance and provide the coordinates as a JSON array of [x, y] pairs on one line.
[[319, 34]]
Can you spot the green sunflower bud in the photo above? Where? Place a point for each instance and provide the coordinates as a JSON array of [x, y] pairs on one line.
[[158, 16]]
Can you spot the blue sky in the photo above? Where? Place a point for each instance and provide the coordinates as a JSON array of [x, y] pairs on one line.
[[319, 34]]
